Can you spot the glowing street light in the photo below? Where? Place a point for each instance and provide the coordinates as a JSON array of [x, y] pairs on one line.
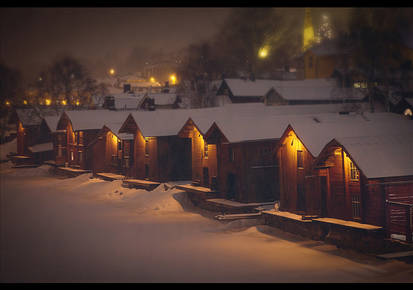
[[152, 79], [25, 102], [7, 103], [263, 52], [64, 102], [173, 79], [77, 103], [48, 102], [112, 71]]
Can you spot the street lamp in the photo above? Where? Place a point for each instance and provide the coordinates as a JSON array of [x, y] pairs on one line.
[[112, 71], [173, 79], [263, 51]]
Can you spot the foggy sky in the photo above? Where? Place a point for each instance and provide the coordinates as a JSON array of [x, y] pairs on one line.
[[32, 37]]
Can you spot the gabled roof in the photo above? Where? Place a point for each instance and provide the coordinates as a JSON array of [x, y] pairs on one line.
[[252, 122], [316, 130], [94, 119], [381, 156], [162, 98], [248, 88], [28, 117], [126, 101], [290, 90], [169, 122], [316, 90], [51, 122]]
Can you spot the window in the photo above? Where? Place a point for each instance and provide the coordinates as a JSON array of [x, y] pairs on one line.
[[80, 156], [206, 150], [300, 163], [59, 151], [354, 173], [146, 147], [231, 154], [80, 137], [72, 156], [119, 145], [355, 206]]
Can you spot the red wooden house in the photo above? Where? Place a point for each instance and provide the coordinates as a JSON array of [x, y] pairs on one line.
[[76, 130], [112, 151], [203, 155], [346, 179], [34, 135], [159, 154], [245, 164]]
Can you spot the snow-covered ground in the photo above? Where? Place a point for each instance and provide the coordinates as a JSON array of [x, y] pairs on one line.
[[89, 230]]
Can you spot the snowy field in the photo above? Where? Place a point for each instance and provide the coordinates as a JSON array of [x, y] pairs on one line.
[[89, 230]]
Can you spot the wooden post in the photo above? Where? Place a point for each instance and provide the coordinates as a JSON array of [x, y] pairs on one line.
[[409, 224]]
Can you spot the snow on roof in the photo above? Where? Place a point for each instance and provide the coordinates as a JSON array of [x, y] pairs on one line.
[[28, 117], [377, 142], [315, 89], [41, 147], [169, 122], [126, 101], [94, 119], [163, 98], [51, 122], [381, 156], [248, 88], [316, 130], [249, 122], [308, 89]]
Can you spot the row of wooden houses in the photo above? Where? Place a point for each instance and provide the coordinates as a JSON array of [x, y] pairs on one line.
[[316, 160]]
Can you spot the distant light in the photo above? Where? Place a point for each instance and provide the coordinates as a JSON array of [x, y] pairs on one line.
[[64, 103], [173, 79], [7, 102], [24, 102], [77, 103], [48, 102], [40, 79], [152, 79], [111, 71], [263, 52]]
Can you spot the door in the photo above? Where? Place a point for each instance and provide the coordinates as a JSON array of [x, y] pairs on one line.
[[231, 192], [205, 176], [323, 191]]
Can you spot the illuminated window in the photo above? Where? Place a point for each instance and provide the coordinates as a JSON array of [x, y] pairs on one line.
[[206, 150], [354, 173], [300, 163], [146, 147], [72, 156], [80, 136], [408, 112]]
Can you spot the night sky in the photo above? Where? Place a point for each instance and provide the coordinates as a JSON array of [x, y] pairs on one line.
[[32, 37]]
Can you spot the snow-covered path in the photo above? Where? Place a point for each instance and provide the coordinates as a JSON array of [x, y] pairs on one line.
[[84, 230]]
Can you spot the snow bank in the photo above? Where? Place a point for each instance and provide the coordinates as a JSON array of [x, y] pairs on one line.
[[8, 147], [159, 201]]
